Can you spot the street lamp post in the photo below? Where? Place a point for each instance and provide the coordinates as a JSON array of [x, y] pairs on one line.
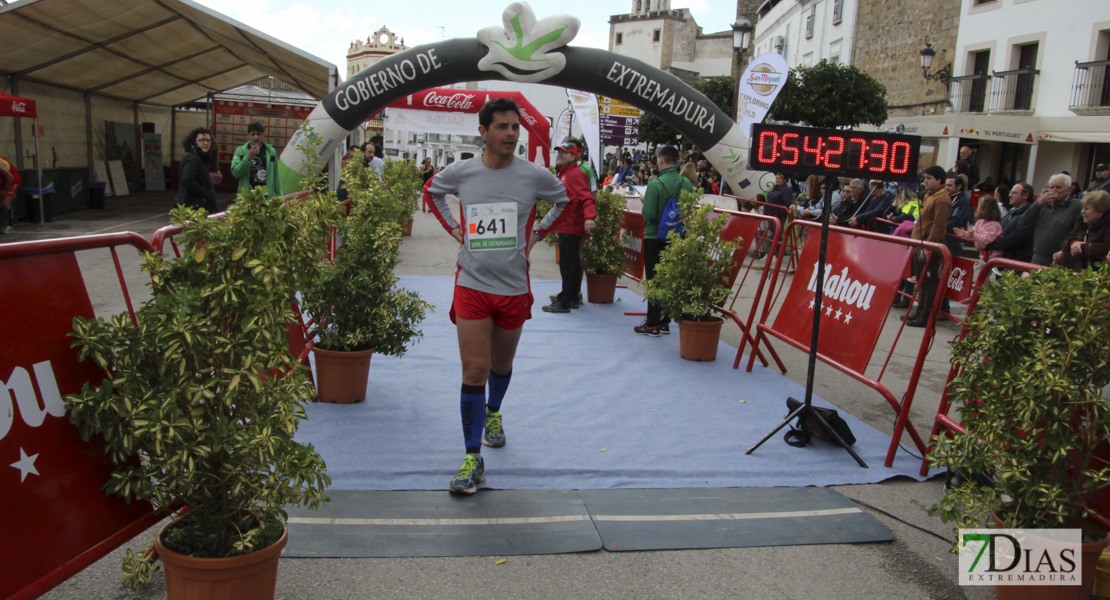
[[943, 75], [741, 37]]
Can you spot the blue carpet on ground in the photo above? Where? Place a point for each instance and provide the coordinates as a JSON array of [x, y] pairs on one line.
[[591, 405]]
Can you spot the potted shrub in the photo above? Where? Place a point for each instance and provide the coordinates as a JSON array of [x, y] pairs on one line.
[[363, 182], [354, 298], [603, 255], [691, 279], [1035, 363], [402, 179], [201, 399]]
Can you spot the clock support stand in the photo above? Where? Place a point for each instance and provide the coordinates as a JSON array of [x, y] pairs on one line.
[[806, 411]]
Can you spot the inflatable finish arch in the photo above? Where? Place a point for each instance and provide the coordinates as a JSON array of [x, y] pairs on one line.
[[531, 51]]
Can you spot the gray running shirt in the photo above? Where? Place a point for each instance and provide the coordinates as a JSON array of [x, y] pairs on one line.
[[492, 258]]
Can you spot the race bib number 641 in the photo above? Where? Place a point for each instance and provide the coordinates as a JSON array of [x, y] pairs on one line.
[[491, 226]]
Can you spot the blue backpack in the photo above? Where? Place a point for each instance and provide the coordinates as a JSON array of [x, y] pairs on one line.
[[671, 218]]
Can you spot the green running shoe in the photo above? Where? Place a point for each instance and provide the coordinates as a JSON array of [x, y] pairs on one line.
[[472, 472], [494, 437]]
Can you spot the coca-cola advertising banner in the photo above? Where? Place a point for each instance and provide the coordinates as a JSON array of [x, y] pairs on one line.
[[449, 110], [51, 509], [861, 278], [523, 47]]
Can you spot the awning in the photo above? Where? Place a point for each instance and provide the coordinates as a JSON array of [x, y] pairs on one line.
[[162, 53], [1099, 137], [14, 106]]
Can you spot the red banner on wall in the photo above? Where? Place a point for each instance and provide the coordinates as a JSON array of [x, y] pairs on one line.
[[51, 508], [861, 278], [280, 121]]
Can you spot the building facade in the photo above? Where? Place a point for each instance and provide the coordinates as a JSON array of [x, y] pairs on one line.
[[1029, 93], [361, 55], [805, 32], [671, 40]]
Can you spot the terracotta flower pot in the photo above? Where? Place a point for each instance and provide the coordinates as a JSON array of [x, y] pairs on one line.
[[600, 289], [406, 229], [556, 254], [341, 376], [248, 577], [1090, 553], [697, 340]]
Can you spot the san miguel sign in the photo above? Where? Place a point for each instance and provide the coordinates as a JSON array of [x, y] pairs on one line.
[[524, 49]]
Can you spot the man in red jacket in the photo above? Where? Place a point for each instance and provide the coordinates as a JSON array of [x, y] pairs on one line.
[[576, 222]]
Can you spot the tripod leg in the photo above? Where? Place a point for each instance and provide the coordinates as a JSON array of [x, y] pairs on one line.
[[785, 422], [813, 414]]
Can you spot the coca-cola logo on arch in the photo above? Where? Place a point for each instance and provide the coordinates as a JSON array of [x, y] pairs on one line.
[[459, 101], [527, 117]]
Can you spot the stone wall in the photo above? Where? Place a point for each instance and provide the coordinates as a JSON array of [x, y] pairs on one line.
[[889, 38]]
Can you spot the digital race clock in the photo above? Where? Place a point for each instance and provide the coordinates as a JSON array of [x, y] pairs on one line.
[[838, 152]]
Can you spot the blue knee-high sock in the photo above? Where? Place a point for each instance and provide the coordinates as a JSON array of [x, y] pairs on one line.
[[498, 384], [472, 401]]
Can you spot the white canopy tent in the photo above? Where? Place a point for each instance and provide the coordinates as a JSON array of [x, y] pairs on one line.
[[161, 53]]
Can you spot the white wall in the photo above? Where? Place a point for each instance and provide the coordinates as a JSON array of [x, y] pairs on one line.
[[61, 118], [788, 19], [1066, 31], [713, 57], [636, 40]]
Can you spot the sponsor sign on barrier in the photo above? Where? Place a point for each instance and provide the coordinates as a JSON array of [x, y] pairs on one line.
[[52, 509], [861, 278], [632, 239], [960, 279]]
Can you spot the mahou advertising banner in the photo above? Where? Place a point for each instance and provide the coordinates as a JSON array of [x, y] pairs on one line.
[[759, 86], [861, 278], [51, 508]]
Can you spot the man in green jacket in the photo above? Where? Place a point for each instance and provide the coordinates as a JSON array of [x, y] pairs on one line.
[[256, 163], [668, 185]]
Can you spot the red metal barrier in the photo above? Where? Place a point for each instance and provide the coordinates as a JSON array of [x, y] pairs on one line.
[[740, 225], [868, 267], [789, 239], [942, 422], [55, 519], [632, 238]]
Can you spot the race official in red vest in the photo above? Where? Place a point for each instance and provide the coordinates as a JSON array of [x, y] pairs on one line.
[[576, 222]]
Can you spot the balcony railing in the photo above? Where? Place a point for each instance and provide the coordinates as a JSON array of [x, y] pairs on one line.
[[1012, 91], [969, 93], [1090, 88]]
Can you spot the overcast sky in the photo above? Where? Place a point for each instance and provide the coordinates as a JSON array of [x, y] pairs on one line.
[[326, 28]]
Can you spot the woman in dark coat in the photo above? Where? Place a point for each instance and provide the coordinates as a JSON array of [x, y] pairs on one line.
[[1089, 241], [779, 201], [195, 188]]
